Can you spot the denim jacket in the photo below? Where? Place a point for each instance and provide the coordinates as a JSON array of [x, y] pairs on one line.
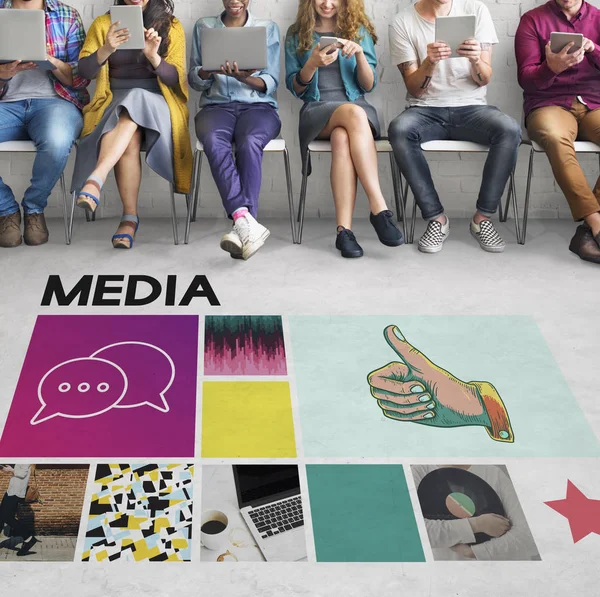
[[221, 89], [294, 63]]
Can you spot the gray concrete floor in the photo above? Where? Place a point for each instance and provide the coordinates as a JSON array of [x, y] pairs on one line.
[[541, 279]]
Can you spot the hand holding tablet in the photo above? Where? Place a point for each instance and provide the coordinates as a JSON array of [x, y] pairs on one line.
[[570, 51], [127, 30], [454, 32]]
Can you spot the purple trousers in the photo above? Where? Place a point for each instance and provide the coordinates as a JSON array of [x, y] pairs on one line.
[[250, 127]]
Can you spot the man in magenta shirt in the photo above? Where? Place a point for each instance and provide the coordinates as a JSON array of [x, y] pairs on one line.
[[562, 101]]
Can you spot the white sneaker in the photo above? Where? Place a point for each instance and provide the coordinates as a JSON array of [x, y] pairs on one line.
[[487, 236], [232, 243], [252, 234], [433, 238]]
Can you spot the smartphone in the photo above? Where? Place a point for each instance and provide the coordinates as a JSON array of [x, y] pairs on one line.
[[328, 41], [130, 17], [558, 40]]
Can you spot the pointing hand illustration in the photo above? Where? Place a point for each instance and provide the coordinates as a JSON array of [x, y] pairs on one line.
[[415, 389]]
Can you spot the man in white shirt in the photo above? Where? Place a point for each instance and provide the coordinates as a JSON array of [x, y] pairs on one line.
[[455, 539], [447, 100], [15, 495]]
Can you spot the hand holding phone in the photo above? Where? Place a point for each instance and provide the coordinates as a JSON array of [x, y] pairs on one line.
[[323, 56]]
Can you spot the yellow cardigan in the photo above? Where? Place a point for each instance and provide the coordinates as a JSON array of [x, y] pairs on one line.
[[176, 97]]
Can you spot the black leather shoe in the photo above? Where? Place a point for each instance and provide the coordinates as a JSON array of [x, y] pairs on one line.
[[346, 243], [585, 245], [386, 230]]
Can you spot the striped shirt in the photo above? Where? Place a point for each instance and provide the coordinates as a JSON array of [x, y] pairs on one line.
[[64, 38]]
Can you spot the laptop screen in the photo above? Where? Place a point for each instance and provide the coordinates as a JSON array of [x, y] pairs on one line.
[[261, 483]]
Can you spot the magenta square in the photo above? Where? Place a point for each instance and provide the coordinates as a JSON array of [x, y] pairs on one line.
[[106, 386]]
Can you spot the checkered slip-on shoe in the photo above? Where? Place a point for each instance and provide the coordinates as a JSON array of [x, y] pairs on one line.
[[487, 236]]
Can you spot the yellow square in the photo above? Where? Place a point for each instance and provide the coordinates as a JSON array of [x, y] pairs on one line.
[[250, 419]]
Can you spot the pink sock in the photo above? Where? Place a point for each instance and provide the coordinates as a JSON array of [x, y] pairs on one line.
[[239, 213]]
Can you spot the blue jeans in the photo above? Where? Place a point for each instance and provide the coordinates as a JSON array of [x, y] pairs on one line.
[[480, 124], [53, 125]]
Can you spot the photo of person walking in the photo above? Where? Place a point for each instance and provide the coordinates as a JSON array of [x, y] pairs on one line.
[[41, 507], [15, 495]]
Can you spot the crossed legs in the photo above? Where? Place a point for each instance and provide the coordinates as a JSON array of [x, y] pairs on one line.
[[120, 149], [353, 155]]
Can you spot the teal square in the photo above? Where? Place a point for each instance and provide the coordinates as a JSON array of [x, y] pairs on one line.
[[362, 513], [334, 355]]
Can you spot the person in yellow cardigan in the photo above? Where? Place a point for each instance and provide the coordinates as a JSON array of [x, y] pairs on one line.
[[140, 102]]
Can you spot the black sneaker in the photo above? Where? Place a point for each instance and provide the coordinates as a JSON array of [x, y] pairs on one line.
[[346, 243], [386, 230]]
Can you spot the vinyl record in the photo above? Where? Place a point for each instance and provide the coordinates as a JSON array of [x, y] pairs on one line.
[[452, 493]]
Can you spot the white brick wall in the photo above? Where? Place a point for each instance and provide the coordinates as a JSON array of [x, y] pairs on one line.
[[458, 176]]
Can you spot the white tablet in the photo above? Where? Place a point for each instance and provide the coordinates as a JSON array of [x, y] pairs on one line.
[[130, 18], [559, 40], [454, 31]]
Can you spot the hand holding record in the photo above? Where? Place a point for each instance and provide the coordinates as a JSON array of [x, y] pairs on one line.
[[415, 389]]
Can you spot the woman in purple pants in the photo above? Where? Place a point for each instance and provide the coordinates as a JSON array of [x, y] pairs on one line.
[[237, 108]]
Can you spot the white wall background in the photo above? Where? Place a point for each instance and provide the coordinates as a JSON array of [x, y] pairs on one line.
[[457, 177]]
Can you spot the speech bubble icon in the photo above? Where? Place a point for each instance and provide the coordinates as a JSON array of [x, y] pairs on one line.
[[80, 388], [149, 369]]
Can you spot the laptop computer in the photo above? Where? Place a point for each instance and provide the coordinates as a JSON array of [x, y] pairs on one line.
[[271, 505], [245, 45], [23, 37]]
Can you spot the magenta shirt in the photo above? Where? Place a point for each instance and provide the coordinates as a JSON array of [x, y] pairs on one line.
[[541, 86]]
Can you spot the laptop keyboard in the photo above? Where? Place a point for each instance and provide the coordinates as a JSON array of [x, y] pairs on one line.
[[279, 517]]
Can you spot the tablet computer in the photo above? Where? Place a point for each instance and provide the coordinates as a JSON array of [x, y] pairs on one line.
[[23, 37], [130, 17], [559, 40], [454, 31], [245, 45]]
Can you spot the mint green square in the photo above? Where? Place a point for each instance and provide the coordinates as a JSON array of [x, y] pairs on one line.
[[362, 513], [340, 419]]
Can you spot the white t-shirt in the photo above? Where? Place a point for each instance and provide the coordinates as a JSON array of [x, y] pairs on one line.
[[451, 84], [516, 544], [19, 481]]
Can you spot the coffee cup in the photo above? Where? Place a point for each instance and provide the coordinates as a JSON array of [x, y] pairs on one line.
[[214, 529]]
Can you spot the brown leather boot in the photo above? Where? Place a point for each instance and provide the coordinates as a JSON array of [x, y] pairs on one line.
[[584, 244], [10, 230], [36, 231]]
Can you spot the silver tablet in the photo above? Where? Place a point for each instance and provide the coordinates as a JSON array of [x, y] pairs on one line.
[[559, 40], [23, 37], [130, 18], [454, 31], [245, 45]]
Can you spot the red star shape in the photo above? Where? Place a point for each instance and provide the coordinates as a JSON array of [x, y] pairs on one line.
[[582, 512]]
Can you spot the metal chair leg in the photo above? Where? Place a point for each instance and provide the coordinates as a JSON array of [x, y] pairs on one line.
[[63, 190], [174, 215], [301, 208], [290, 191], [413, 217], [513, 191], [399, 202], [71, 217], [188, 212], [196, 192], [527, 194]]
